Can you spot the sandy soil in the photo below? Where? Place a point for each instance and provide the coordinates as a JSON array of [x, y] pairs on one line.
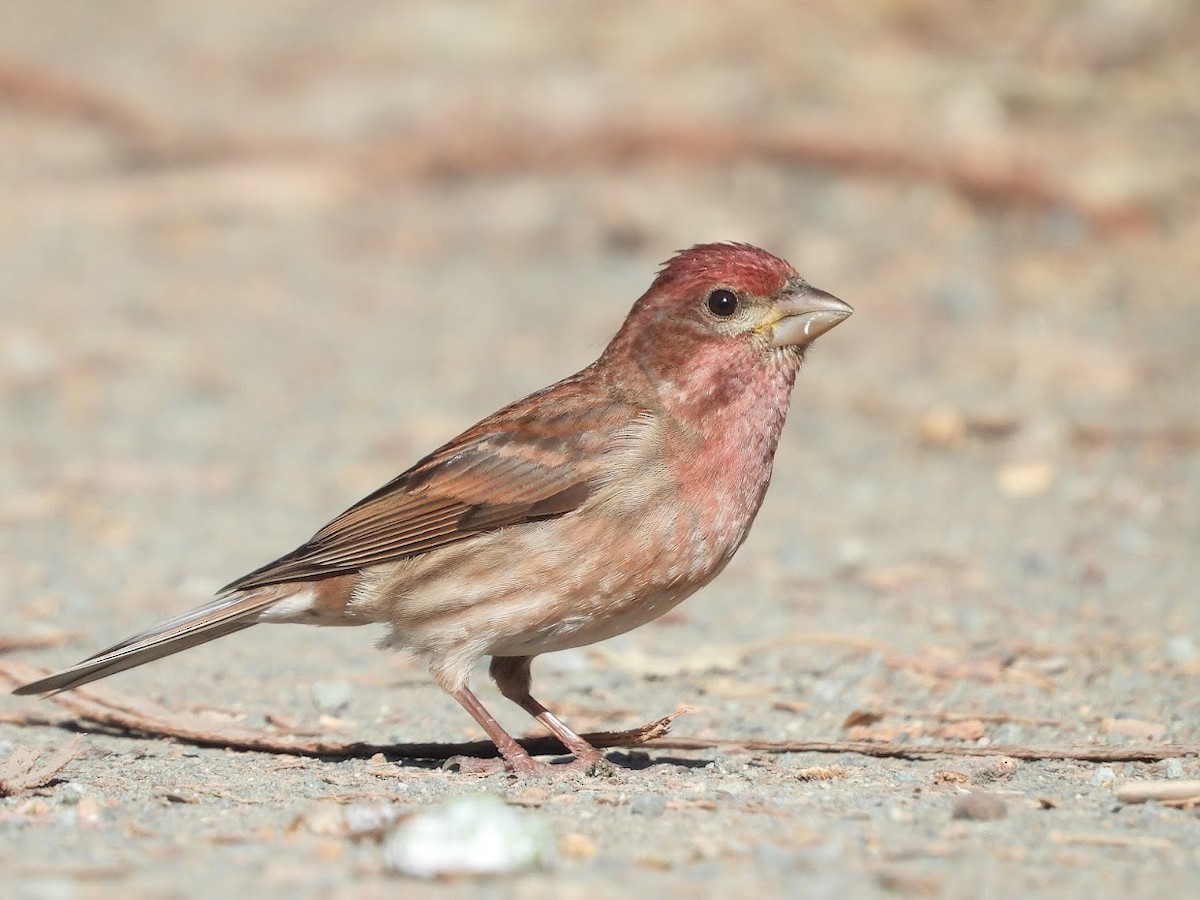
[[255, 261]]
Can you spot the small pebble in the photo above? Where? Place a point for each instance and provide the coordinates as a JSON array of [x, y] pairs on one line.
[[1025, 479], [1102, 776], [942, 426], [1174, 768], [994, 768], [911, 883], [577, 846], [332, 696], [87, 811], [370, 818], [73, 792], [980, 806], [648, 805], [473, 835], [1181, 650], [730, 765]]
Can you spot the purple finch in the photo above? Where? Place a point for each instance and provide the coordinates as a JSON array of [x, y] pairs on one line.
[[584, 510]]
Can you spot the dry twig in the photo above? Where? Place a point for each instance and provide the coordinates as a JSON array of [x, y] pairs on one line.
[[1083, 752], [111, 710], [1174, 792], [141, 717]]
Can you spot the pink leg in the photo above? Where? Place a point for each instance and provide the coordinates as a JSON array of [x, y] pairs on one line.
[[516, 758], [512, 676]]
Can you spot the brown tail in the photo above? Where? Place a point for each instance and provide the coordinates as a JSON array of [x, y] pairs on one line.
[[224, 615]]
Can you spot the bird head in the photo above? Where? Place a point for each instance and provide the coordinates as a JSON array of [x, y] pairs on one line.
[[718, 313]]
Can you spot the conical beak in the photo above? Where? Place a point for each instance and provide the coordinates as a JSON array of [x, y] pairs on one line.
[[805, 314]]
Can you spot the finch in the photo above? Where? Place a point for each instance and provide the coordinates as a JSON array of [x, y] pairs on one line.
[[586, 509]]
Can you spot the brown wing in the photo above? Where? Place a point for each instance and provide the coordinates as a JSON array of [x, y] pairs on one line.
[[533, 460]]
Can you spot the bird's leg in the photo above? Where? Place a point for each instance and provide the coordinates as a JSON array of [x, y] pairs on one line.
[[512, 676], [516, 757]]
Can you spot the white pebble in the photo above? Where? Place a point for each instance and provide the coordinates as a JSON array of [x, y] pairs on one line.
[[475, 835], [1181, 649], [332, 696]]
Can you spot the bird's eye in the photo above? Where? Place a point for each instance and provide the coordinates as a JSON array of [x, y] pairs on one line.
[[722, 303]]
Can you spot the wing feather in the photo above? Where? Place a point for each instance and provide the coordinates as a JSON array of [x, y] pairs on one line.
[[531, 461]]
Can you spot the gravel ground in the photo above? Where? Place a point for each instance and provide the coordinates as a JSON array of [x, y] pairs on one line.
[[235, 296]]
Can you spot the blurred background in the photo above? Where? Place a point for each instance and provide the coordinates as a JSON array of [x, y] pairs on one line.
[[257, 258], [261, 257]]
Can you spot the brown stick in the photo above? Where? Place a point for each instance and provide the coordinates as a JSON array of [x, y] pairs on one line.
[[1174, 791], [1084, 752], [139, 717]]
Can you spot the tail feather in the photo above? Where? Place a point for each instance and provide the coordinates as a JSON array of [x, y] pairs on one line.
[[224, 615]]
